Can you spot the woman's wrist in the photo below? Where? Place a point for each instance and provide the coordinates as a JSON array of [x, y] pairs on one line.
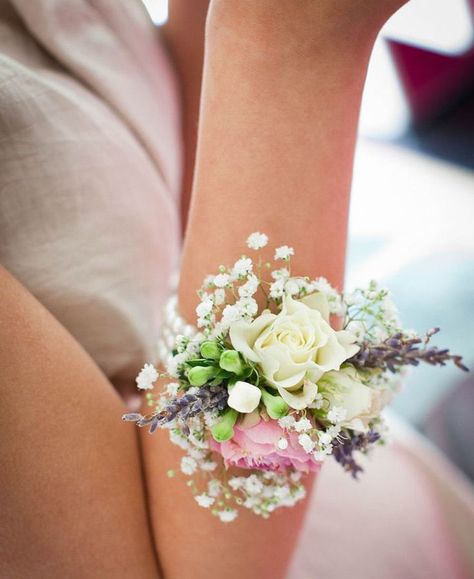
[[303, 27]]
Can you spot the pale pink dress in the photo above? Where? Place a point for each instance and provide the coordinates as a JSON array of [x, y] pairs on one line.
[[90, 169]]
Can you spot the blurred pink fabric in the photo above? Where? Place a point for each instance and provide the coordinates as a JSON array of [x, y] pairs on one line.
[[90, 172]]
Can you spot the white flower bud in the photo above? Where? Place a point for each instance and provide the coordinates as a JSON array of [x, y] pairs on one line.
[[244, 397]]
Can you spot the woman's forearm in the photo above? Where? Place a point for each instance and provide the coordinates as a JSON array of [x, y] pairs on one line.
[[279, 108], [278, 120]]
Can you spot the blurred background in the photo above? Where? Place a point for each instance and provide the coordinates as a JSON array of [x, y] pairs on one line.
[[412, 212]]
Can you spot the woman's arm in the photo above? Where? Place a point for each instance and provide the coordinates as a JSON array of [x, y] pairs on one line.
[[281, 93], [71, 491], [184, 37]]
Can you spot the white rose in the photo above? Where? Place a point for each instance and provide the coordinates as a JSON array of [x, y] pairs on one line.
[[244, 397], [295, 347], [345, 390]]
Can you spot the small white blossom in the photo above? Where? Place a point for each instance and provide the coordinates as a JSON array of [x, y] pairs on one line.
[[296, 476], [242, 267], [188, 465], [147, 376], [172, 388], [249, 287], [231, 313], [204, 501], [196, 453], [306, 442], [221, 280], [319, 455], [284, 252], [236, 483], [208, 281], [334, 430], [324, 438], [287, 422], [357, 329], [247, 306], [277, 288], [303, 425], [253, 486], [227, 516], [179, 440], [318, 402], [337, 414], [282, 443], [282, 492], [257, 240], [292, 287], [204, 308], [280, 273], [219, 296], [208, 465], [214, 488]]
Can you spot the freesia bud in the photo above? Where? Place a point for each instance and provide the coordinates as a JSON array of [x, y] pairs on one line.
[[244, 397], [199, 375], [210, 350], [224, 430], [275, 405], [230, 360]]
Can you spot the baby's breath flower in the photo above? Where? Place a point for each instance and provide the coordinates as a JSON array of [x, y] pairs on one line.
[[279, 273], [257, 240], [334, 430], [306, 442], [324, 438], [204, 308], [204, 500], [249, 287], [282, 443], [287, 422], [242, 267], [253, 486], [214, 488], [231, 314], [319, 455], [227, 516], [188, 465], [221, 280], [219, 296], [236, 483], [303, 425], [247, 306], [318, 402], [284, 252], [292, 287], [277, 288], [208, 465], [172, 388], [147, 376], [337, 414], [179, 439]]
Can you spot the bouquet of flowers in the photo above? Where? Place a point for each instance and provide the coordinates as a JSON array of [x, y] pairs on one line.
[[261, 395]]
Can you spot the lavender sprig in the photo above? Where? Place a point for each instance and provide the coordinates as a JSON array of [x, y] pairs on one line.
[[344, 448], [400, 350], [184, 408]]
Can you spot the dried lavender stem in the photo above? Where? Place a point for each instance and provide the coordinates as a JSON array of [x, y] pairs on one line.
[[183, 408], [399, 350]]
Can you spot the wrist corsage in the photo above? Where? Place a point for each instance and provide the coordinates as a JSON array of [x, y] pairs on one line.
[[276, 390]]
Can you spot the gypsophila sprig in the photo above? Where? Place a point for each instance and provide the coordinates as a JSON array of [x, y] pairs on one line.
[[268, 382]]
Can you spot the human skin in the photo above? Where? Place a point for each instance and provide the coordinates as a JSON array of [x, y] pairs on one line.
[[71, 490], [280, 100], [72, 501]]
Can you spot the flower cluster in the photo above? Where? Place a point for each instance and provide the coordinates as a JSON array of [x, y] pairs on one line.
[[279, 373]]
